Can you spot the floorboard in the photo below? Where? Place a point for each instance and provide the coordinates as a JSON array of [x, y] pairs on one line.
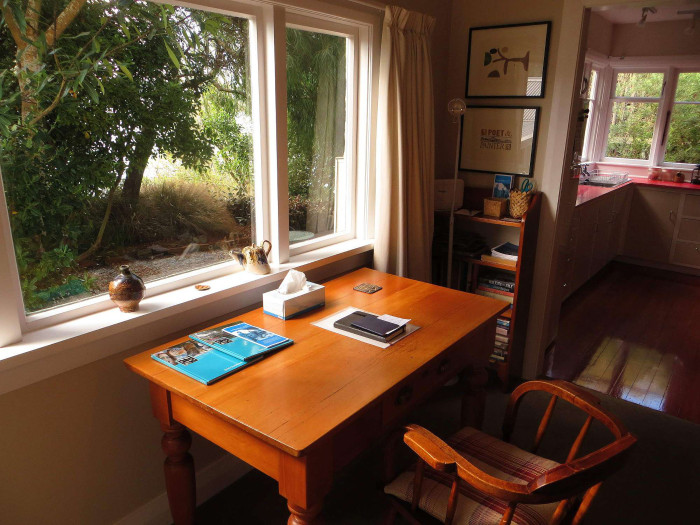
[[634, 333]]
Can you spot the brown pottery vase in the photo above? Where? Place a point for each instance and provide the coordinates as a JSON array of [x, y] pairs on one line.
[[126, 290]]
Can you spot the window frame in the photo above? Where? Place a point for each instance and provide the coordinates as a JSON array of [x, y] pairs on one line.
[[608, 67], [267, 25]]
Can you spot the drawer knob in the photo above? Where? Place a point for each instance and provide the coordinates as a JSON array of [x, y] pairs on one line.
[[443, 366], [404, 395]]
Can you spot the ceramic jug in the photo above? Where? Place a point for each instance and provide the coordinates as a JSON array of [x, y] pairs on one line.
[[254, 258], [126, 290]]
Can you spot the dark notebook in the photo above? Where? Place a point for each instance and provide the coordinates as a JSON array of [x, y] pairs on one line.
[[359, 323]]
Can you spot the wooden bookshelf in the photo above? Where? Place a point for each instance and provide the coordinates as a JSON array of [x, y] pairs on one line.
[[490, 229]]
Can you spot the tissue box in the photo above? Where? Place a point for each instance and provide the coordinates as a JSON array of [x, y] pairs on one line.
[[286, 306]]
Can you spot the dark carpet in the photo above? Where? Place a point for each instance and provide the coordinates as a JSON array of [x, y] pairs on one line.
[[658, 485]]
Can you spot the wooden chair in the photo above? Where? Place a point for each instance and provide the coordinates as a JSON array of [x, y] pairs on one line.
[[476, 478]]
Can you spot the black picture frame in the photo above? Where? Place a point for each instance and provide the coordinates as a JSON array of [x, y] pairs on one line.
[[537, 32], [490, 130]]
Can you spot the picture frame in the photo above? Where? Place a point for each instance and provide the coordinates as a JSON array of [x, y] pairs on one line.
[[508, 61], [499, 139], [502, 184]]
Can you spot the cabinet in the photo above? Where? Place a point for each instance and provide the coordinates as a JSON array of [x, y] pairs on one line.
[[651, 225], [594, 238], [686, 243], [495, 231]]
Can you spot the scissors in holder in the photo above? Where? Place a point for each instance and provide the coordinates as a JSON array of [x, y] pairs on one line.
[[526, 186]]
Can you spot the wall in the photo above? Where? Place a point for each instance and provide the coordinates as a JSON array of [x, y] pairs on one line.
[[654, 39], [600, 34], [550, 148]]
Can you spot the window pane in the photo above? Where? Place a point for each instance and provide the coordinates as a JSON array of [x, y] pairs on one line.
[[639, 85], [683, 142], [631, 130], [688, 89], [145, 160], [316, 122]]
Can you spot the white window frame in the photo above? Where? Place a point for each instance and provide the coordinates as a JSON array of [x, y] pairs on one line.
[[268, 21], [605, 94]]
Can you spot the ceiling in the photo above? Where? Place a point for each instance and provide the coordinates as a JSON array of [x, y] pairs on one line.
[[631, 15]]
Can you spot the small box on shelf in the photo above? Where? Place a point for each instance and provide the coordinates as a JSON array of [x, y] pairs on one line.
[[495, 207]]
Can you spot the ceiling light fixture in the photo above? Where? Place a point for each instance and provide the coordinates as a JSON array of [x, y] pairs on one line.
[[645, 13]]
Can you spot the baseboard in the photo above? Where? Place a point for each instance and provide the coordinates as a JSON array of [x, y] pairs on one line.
[[211, 480]]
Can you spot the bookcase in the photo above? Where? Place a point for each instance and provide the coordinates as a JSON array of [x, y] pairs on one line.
[[466, 267]]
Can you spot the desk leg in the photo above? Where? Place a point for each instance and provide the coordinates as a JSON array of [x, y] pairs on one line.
[[179, 473], [301, 516], [474, 381], [304, 482]]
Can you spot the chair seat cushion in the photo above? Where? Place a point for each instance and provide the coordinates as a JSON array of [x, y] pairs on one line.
[[496, 457]]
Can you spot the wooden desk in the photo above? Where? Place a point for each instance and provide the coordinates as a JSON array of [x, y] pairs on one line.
[[303, 413]]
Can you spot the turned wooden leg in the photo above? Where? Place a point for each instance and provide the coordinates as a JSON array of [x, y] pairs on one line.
[[302, 516], [179, 473], [474, 399]]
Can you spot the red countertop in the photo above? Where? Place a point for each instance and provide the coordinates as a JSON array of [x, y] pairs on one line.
[[588, 193]]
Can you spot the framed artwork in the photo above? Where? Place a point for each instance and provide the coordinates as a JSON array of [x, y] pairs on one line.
[[508, 61], [496, 139], [502, 184]]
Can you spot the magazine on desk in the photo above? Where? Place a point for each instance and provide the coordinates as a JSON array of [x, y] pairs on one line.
[[242, 340], [200, 362]]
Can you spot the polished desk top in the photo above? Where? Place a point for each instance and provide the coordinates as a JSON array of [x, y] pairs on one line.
[[295, 398]]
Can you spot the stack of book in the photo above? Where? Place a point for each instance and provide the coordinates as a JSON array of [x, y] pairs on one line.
[[500, 347], [498, 285], [213, 354], [506, 253]]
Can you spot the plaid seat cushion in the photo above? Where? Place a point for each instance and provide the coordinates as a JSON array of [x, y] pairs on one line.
[[496, 457]]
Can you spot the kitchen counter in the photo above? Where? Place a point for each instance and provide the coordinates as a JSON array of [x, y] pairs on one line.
[[588, 193]]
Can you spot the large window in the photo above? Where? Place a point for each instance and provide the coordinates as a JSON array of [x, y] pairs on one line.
[[136, 133], [644, 116]]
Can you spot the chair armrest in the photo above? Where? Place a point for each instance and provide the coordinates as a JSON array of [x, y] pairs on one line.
[[442, 457]]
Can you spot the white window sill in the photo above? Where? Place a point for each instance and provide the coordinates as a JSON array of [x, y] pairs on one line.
[[56, 349]]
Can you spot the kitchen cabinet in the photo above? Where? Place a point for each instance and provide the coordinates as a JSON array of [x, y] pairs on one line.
[[686, 245], [652, 223]]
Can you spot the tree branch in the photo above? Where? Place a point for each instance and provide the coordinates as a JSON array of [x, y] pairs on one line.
[[63, 20], [14, 28], [53, 104]]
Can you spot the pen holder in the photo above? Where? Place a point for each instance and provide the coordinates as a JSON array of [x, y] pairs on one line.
[[494, 207], [519, 203]]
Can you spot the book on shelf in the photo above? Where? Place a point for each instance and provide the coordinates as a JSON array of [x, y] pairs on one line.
[[497, 357], [502, 338], [242, 340], [507, 250], [200, 362], [492, 295], [494, 290], [498, 284], [500, 351], [501, 346], [501, 330], [505, 323], [499, 260]]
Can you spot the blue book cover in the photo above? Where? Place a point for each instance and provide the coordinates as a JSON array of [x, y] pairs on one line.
[[199, 361], [255, 335], [237, 346]]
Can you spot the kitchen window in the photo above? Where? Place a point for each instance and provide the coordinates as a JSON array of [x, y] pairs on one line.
[[644, 116], [154, 135]]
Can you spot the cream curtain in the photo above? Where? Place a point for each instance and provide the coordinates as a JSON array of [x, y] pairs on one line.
[[405, 146]]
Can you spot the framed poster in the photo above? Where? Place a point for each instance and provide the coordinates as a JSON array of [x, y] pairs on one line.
[[499, 139], [508, 61]]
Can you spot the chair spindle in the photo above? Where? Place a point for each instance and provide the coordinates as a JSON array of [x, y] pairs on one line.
[[543, 424], [579, 439], [452, 502], [585, 503], [417, 482], [508, 514]]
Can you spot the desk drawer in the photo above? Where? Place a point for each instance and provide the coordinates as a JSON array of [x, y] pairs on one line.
[[400, 399], [687, 254]]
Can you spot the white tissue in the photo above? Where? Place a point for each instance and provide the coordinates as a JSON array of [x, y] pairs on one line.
[[293, 282]]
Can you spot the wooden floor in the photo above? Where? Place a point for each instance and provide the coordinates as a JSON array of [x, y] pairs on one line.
[[634, 333]]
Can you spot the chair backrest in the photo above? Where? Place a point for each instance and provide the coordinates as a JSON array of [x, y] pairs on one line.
[[574, 476]]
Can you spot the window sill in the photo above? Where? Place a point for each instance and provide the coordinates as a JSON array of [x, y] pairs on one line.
[[56, 349]]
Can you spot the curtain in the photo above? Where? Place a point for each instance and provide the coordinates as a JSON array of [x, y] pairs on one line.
[[405, 147]]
